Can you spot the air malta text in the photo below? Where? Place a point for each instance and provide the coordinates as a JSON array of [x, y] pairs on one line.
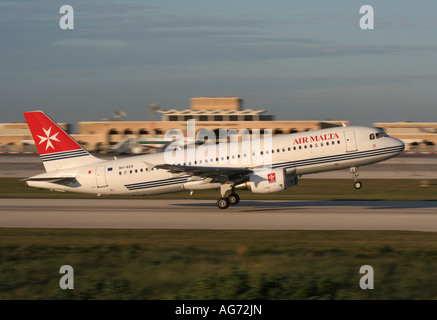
[[321, 137]]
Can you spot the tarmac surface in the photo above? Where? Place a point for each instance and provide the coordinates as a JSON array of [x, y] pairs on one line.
[[197, 214], [400, 167], [203, 214]]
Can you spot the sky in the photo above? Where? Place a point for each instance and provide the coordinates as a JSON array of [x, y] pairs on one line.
[[298, 60]]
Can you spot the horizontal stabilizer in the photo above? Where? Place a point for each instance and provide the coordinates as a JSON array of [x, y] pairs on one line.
[[51, 179], [66, 181]]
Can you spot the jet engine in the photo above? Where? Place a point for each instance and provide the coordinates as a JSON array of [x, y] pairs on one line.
[[266, 181]]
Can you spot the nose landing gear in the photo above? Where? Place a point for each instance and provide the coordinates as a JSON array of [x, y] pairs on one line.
[[357, 184]]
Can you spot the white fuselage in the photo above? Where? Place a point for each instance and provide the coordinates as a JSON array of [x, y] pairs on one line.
[[298, 153]]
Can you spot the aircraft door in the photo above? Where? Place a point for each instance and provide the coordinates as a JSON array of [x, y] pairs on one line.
[[351, 143], [101, 177]]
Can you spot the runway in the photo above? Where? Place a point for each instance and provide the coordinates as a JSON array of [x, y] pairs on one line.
[[203, 214]]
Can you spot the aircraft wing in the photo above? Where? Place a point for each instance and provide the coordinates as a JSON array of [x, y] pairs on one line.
[[217, 174]]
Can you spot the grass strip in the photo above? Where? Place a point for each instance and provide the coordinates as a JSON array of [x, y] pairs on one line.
[[216, 264]]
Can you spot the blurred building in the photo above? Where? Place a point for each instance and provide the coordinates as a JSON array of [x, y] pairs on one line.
[[209, 113], [417, 136], [16, 137], [215, 109]]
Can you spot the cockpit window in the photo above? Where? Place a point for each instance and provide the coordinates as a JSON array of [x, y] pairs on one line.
[[378, 135]]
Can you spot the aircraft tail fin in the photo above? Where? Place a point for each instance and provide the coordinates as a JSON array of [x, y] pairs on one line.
[[56, 148]]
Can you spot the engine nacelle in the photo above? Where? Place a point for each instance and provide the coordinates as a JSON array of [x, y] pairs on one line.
[[268, 181]]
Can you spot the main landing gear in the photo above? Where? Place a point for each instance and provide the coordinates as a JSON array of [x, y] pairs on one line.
[[233, 199], [225, 201], [357, 184]]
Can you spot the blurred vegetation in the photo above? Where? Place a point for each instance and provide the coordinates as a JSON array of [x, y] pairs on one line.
[[216, 264], [308, 189]]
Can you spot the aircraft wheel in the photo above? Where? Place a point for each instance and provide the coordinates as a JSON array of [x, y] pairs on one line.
[[223, 203], [358, 185], [234, 199]]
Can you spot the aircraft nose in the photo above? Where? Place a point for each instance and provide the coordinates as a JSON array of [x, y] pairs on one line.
[[400, 144]]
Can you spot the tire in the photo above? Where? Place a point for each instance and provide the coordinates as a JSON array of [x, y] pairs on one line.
[[358, 185], [233, 199], [223, 203]]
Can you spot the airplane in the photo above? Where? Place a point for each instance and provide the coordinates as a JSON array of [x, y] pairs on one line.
[[69, 167]]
